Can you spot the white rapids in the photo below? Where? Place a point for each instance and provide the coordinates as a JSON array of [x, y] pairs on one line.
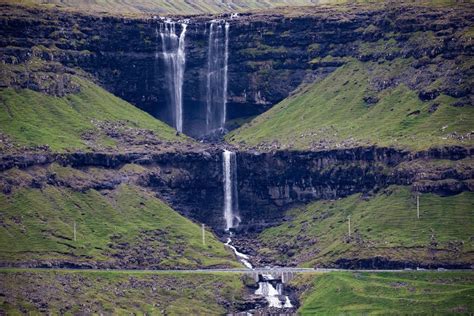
[[274, 296], [242, 257]]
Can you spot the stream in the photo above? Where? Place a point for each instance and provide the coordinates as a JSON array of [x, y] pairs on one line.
[[268, 286]]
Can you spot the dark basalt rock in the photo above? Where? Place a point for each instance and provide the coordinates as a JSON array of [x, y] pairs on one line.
[[378, 263], [428, 95], [371, 99], [268, 183], [270, 54]]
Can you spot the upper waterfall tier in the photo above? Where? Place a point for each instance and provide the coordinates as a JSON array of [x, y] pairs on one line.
[[174, 56], [216, 81]]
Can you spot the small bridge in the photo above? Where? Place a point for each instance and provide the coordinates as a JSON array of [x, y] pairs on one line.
[[284, 275]]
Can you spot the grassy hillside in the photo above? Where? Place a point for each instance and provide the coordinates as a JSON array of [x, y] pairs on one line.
[[172, 6], [424, 293], [118, 293], [192, 7], [335, 113], [125, 227], [90, 119], [384, 225]]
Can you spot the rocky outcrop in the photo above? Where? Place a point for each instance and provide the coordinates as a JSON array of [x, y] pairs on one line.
[[270, 53], [384, 263], [268, 183], [274, 181]]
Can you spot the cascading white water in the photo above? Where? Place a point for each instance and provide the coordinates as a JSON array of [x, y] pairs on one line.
[[175, 60], [241, 256], [231, 205], [217, 68], [274, 296]]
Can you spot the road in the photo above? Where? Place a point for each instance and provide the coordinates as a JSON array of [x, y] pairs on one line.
[[276, 270]]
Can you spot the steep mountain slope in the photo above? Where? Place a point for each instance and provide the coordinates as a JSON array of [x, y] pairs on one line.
[[122, 227], [270, 53], [371, 78], [87, 119], [343, 110], [385, 232]]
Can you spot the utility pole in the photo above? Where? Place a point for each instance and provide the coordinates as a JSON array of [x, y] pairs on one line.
[[74, 230], [203, 235], [418, 206], [349, 222]]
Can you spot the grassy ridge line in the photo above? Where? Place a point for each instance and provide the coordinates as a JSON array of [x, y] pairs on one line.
[[180, 7], [171, 6], [332, 113], [433, 293], [384, 225], [127, 227], [184, 7], [111, 292], [32, 118]]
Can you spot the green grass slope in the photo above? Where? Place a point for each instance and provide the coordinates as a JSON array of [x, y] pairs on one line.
[[384, 225], [194, 7], [118, 293], [126, 227], [407, 293], [332, 113], [90, 119], [174, 6]]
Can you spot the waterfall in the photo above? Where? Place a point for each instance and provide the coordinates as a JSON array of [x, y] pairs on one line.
[[175, 59], [274, 296], [216, 85], [231, 205]]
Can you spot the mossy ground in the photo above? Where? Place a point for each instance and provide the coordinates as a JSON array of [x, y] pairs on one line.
[[333, 113], [118, 293], [403, 293], [38, 226], [383, 225], [30, 118]]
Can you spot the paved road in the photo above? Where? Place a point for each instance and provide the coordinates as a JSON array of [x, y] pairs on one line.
[[276, 270]]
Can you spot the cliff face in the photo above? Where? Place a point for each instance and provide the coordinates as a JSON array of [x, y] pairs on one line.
[[271, 183], [270, 54], [268, 184]]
